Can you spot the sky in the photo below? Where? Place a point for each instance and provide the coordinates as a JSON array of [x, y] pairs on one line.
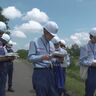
[[75, 19]]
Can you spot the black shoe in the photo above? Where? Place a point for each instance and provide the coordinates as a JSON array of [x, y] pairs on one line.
[[10, 90], [66, 94]]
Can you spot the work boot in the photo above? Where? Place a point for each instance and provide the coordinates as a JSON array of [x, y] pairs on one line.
[[66, 94], [10, 90]]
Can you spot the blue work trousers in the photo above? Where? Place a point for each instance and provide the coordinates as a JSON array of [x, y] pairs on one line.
[[60, 75], [3, 75], [90, 84], [43, 82], [10, 73]]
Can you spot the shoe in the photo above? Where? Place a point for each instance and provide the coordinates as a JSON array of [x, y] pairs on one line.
[[66, 94], [10, 90]]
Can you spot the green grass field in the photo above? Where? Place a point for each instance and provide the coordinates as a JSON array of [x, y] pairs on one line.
[[74, 86]]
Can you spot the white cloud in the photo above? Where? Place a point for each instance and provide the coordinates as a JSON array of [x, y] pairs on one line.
[[18, 34], [11, 12], [12, 42], [94, 28], [26, 46], [79, 38], [31, 26], [36, 15]]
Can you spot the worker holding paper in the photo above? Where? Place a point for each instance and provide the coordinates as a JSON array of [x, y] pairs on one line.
[[88, 60], [10, 66], [3, 65], [58, 60]]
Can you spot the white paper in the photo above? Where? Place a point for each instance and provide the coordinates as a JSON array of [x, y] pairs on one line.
[[56, 53], [94, 61], [12, 54]]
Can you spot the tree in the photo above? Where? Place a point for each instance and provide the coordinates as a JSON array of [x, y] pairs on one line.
[[74, 52], [3, 18], [23, 53]]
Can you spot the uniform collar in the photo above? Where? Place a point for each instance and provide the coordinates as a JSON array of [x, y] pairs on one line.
[[44, 39], [92, 44]]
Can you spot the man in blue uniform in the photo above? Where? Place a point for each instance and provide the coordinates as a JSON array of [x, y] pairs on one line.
[[10, 67], [60, 64], [2, 52], [65, 64], [39, 54], [88, 59], [3, 67]]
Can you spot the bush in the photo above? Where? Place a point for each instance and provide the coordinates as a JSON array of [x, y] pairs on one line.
[[23, 53]]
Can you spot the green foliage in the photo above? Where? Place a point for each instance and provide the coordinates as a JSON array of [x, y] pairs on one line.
[[74, 86], [73, 83], [3, 18], [74, 50], [8, 32], [23, 53]]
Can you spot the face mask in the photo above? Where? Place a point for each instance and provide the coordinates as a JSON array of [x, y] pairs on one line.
[[57, 49], [3, 41]]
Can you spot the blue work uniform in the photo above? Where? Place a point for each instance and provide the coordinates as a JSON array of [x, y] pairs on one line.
[[9, 69], [59, 70], [43, 77], [64, 65], [87, 55], [3, 72]]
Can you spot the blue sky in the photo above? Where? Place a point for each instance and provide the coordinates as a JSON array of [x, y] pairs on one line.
[[75, 18]]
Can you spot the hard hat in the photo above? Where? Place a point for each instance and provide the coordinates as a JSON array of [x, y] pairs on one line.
[[2, 26], [10, 42], [93, 32], [51, 27], [55, 40], [5, 37], [63, 41]]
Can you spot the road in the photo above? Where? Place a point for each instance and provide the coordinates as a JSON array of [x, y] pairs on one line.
[[22, 82]]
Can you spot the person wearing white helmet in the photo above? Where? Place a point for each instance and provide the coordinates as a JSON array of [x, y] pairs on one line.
[[10, 66], [66, 63], [57, 60], [5, 37], [2, 28], [58, 68], [39, 54], [88, 59], [3, 65], [62, 43]]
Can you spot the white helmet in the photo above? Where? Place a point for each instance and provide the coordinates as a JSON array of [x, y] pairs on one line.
[[93, 32], [55, 40], [51, 27], [10, 42], [63, 41], [5, 37], [2, 26]]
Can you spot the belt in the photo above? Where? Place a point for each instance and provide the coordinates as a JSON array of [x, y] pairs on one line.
[[37, 68]]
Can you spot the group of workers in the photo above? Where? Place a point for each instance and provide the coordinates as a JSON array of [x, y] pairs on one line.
[[50, 59], [6, 62]]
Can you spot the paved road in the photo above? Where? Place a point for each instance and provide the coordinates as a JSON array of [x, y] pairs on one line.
[[22, 79]]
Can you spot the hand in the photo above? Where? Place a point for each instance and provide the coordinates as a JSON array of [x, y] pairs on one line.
[[61, 59], [45, 57], [93, 64], [10, 58]]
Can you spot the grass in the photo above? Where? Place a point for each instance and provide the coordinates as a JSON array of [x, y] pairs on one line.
[[74, 87]]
